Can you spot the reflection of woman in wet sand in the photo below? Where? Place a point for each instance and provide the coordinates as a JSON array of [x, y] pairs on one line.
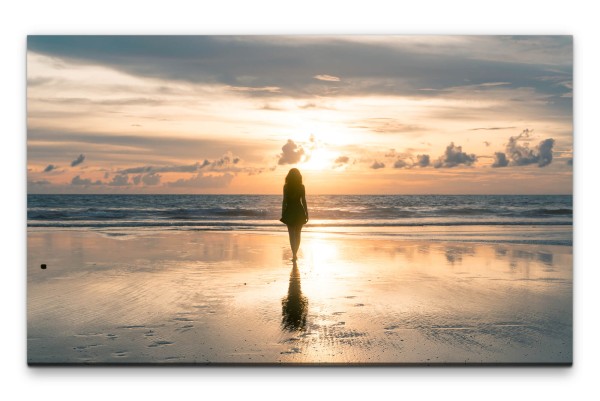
[[294, 211], [295, 305]]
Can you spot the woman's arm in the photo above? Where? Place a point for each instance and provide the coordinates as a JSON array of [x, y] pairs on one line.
[[284, 202], [304, 204]]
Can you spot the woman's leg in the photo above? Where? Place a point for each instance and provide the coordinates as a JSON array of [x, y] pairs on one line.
[[292, 234], [297, 237]]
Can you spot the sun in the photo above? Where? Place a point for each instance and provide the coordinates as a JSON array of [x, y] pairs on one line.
[[319, 159]]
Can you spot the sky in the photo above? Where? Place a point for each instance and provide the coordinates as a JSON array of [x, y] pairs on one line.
[[356, 114]]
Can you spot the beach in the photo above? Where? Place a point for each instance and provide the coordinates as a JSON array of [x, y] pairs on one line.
[[225, 297]]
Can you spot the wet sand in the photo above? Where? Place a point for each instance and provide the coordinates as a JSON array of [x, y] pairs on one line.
[[235, 297]]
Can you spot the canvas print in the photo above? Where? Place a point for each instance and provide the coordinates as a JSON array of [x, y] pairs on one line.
[[300, 200]]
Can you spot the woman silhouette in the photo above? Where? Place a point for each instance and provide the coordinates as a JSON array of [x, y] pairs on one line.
[[294, 211]]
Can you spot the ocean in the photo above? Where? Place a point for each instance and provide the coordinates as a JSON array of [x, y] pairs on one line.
[[545, 219]]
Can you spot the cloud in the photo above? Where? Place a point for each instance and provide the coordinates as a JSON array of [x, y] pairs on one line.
[[406, 160], [486, 84], [341, 161], [521, 155], [500, 160], [270, 107], [423, 160], [78, 161], [330, 78], [39, 182], [151, 179], [226, 162], [255, 90], [400, 163], [163, 147], [105, 102], [38, 81], [377, 165], [204, 181], [309, 105], [453, 157], [387, 126], [187, 168], [119, 180], [135, 170], [490, 128], [77, 180], [395, 65], [545, 152], [256, 171], [49, 168], [292, 153], [147, 179]]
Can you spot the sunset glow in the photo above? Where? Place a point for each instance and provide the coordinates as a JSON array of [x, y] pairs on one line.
[[225, 114]]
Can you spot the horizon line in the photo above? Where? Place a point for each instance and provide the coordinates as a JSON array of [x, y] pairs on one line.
[[314, 194]]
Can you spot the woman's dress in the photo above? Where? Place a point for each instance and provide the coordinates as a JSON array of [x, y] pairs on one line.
[[293, 214]]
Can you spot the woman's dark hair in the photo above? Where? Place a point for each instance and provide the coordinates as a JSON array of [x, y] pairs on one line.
[[293, 178]]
